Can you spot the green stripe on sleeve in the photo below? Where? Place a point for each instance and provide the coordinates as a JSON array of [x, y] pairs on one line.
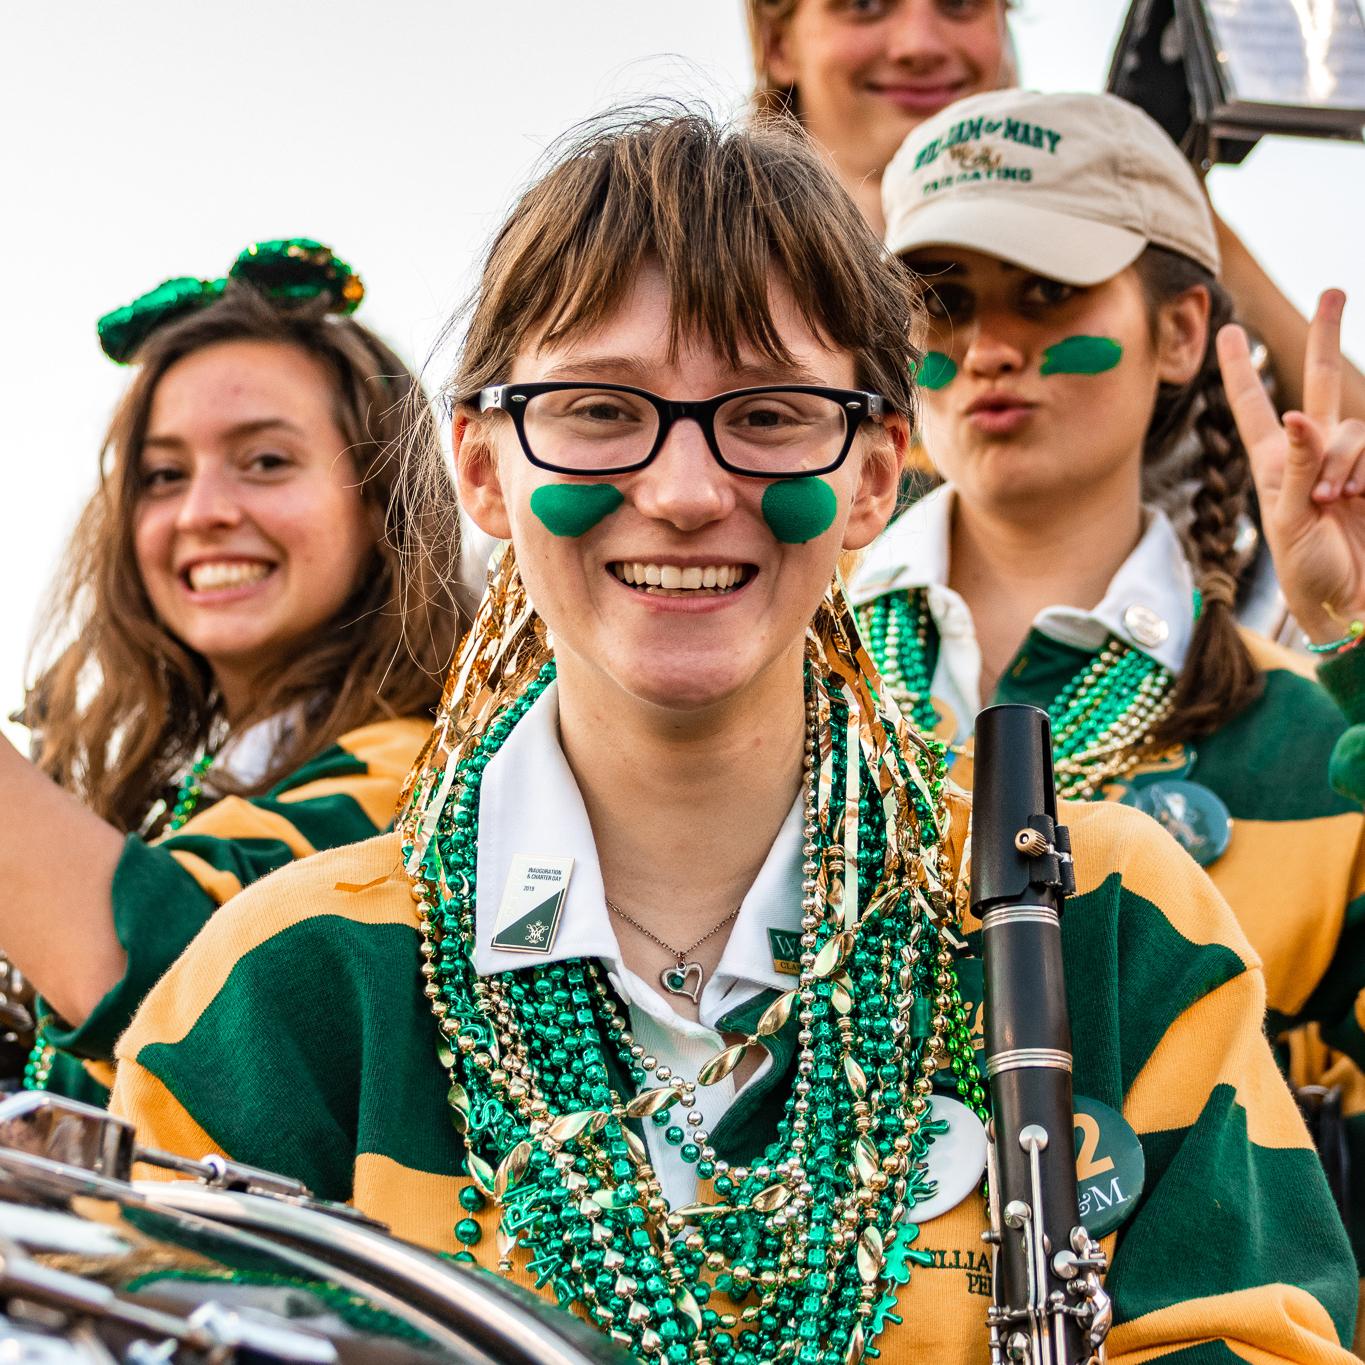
[[158, 909], [1110, 935], [1291, 730], [325, 821], [68, 1077], [1264, 1216], [1333, 1000], [293, 1031], [334, 761]]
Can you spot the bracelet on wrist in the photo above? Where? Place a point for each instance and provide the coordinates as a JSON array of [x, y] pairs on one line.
[[1355, 633]]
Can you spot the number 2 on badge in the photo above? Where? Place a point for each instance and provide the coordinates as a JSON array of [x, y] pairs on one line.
[[1087, 1166]]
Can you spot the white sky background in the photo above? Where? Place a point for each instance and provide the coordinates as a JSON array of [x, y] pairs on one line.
[[149, 138]]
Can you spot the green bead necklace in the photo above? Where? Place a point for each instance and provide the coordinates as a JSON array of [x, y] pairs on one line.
[[38, 1068], [799, 1258], [1100, 719], [190, 790]]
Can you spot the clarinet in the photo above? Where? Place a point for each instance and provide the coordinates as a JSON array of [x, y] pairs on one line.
[[1047, 1304]]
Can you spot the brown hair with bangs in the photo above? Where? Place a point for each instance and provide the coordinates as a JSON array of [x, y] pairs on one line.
[[121, 705], [722, 211]]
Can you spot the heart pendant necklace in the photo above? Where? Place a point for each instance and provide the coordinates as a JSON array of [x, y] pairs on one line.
[[686, 977]]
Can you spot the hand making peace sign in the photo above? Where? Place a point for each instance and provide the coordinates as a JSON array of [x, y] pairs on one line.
[[1310, 475]]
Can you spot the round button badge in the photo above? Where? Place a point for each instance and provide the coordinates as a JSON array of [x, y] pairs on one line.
[[1111, 1166], [956, 1158], [1196, 816], [1146, 626]]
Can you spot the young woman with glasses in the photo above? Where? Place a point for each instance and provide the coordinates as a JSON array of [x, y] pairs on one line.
[[652, 1001]]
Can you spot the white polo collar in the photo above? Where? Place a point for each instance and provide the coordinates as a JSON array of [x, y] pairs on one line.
[[1149, 603], [245, 759], [530, 804]]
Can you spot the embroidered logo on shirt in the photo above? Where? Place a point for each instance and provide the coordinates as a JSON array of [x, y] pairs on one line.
[[786, 950], [974, 1265], [532, 899]]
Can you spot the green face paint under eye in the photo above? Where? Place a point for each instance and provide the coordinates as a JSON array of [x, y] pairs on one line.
[[573, 509], [1082, 355], [935, 371], [798, 510]]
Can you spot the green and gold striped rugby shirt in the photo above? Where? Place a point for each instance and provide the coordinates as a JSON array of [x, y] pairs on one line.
[[294, 1035], [165, 891]]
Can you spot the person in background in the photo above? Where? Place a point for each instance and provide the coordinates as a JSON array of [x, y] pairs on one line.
[[862, 75], [672, 857], [1070, 280], [232, 677]]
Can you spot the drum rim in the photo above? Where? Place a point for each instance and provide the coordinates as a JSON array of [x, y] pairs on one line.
[[492, 1314]]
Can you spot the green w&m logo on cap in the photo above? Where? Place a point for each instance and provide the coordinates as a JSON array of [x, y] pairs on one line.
[[1018, 131]]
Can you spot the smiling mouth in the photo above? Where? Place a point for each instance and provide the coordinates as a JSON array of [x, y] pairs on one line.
[[217, 575], [674, 580], [927, 92]]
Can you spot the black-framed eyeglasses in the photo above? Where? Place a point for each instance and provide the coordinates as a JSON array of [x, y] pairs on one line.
[[776, 431]]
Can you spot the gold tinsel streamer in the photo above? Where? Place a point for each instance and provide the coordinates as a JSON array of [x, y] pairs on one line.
[[508, 645]]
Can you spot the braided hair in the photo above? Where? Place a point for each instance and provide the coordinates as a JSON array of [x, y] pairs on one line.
[[1219, 677]]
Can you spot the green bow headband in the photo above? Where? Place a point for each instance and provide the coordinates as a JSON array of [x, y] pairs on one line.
[[290, 270]]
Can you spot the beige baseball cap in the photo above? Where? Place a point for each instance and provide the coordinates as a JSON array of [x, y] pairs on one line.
[[1072, 186]]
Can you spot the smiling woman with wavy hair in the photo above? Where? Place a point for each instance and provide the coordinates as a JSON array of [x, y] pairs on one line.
[[232, 665]]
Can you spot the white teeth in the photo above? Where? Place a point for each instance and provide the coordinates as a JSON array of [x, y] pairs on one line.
[[230, 573], [674, 578]]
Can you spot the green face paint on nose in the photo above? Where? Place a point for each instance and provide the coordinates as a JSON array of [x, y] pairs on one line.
[[935, 371], [798, 510], [573, 509], [1082, 355]]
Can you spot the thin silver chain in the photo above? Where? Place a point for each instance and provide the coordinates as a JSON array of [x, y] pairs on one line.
[[680, 953]]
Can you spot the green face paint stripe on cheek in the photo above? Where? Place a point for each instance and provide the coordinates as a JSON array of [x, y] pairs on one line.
[[798, 510], [1082, 355], [573, 509], [935, 371]]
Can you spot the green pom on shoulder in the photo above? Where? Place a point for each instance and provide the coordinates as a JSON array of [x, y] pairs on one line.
[[1346, 768]]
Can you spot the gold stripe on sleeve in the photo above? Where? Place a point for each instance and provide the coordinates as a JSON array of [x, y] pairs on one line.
[[1270, 1325], [387, 749], [1291, 881], [363, 882], [417, 1205], [236, 818], [219, 884], [1172, 1088]]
